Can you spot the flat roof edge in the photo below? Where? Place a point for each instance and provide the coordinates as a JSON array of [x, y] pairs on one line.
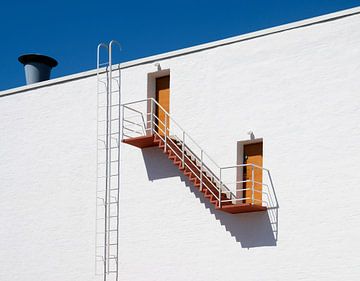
[[197, 48]]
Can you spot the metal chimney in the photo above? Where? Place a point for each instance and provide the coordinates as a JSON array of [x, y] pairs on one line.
[[37, 67]]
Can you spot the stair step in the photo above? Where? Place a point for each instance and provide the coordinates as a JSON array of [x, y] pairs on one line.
[[195, 180], [173, 157], [192, 170]]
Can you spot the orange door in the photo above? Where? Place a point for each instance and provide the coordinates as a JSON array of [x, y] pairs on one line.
[[253, 154], [163, 98]]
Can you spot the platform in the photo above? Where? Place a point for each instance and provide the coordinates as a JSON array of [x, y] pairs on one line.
[[242, 208], [141, 142]]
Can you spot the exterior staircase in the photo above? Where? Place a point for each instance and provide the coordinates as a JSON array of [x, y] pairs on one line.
[[204, 180], [146, 132]]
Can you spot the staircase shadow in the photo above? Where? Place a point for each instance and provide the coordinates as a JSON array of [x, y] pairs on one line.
[[158, 166], [250, 230]]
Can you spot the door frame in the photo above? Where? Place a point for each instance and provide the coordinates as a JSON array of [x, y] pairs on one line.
[[240, 159], [163, 120], [151, 90]]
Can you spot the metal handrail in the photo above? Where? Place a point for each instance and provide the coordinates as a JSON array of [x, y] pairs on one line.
[[207, 169], [187, 164], [188, 136], [154, 125], [243, 165]]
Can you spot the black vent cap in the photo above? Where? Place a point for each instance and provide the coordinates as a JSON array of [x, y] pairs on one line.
[[29, 58]]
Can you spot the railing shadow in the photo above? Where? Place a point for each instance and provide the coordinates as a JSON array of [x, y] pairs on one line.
[[250, 230]]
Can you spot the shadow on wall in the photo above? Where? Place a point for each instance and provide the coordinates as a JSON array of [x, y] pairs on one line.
[[249, 229]]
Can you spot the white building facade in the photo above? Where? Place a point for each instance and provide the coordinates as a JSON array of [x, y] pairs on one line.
[[295, 87]]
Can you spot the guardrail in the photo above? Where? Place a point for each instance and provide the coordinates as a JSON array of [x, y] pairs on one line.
[[141, 118]]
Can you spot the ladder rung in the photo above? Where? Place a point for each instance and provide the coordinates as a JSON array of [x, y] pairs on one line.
[[110, 217], [111, 120], [102, 106], [104, 135], [102, 149], [112, 161], [110, 230], [111, 189], [109, 244], [102, 177], [112, 203]]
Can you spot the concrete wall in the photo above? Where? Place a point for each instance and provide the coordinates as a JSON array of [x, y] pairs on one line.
[[297, 89]]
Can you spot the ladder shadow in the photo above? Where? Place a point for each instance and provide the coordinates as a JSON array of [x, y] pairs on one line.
[[250, 230]]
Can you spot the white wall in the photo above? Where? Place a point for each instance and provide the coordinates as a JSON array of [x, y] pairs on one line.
[[47, 183], [297, 89]]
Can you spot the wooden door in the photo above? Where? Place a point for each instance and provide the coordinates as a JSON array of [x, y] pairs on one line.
[[253, 154], [163, 98]]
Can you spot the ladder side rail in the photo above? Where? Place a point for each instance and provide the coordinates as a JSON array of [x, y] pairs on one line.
[[117, 205], [97, 232], [119, 176]]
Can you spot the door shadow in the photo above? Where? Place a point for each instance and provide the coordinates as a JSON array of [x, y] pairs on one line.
[[250, 230]]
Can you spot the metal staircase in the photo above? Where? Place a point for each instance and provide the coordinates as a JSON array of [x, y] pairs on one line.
[[223, 186], [108, 164]]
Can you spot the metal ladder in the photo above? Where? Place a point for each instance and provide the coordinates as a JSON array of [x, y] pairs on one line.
[[108, 165]]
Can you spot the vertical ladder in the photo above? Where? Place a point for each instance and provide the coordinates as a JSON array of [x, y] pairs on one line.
[[108, 165]]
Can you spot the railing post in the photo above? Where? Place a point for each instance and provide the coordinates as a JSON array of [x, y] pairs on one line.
[[220, 188], [183, 150], [122, 122], [165, 133], [253, 183], [201, 170], [151, 116]]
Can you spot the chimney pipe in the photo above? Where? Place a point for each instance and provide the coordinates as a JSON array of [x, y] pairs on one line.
[[37, 67]]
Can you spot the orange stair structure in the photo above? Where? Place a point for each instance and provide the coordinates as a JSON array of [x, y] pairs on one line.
[[142, 128]]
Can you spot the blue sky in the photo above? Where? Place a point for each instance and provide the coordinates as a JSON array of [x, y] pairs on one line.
[[70, 30]]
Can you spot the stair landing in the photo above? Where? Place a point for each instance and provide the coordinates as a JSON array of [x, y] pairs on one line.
[[242, 208], [141, 142]]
